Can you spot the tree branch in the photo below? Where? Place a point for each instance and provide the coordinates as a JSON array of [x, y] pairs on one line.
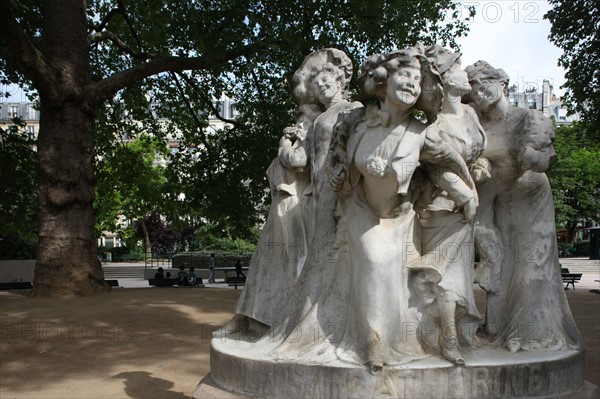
[[101, 91], [30, 60], [207, 100], [100, 27], [108, 35], [121, 5], [193, 114]]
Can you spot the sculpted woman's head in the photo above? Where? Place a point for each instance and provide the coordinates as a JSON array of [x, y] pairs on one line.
[[447, 62], [489, 85], [327, 84], [323, 78], [404, 78]]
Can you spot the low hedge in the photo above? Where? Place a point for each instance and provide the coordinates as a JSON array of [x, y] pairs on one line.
[[17, 247], [199, 260]]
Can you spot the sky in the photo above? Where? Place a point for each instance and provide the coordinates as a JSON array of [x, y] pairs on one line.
[[509, 34], [513, 35]]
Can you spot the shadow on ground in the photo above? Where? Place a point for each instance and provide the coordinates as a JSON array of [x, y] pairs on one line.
[[141, 385], [130, 343], [147, 343]]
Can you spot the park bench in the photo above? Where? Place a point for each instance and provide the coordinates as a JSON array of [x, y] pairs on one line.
[[235, 281], [112, 283], [163, 282], [570, 278], [16, 285], [227, 270], [170, 282]]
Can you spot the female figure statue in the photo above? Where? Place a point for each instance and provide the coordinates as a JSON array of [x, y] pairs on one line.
[[363, 309], [516, 236], [381, 223], [320, 88], [447, 236]]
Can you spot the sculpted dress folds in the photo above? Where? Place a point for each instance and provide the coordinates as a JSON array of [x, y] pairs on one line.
[[446, 235], [383, 209], [363, 311], [515, 234], [362, 282], [301, 197]]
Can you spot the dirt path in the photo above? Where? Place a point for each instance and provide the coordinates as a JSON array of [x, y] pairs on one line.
[[131, 343], [145, 343]]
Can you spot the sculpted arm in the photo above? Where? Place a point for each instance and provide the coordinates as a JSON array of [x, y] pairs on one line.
[[448, 170], [292, 155], [536, 152]]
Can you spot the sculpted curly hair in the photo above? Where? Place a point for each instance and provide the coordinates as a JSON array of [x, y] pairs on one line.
[[375, 71], [326, 60]]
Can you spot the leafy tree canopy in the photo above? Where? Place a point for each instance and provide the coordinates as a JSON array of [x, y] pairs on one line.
[[129, 182], [575, 29], [18, 193], [575, 177], [221, 172], [93, 62]]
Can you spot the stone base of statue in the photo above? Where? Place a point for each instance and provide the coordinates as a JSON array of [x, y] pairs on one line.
[[237, 371], [207, 388]]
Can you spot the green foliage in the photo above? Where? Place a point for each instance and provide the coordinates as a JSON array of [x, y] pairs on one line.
[[124, 254], [129, 182], [217, 175], [565, 248], [18, 194], [209, 238], [575, 30], [221, 171], [199, 260], [575, 177], [18, 247]]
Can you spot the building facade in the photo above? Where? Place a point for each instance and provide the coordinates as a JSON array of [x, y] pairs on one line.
[[26, 111], [543, 99]]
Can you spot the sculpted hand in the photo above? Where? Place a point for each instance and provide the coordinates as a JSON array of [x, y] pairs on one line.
[[337, 177], [468, 208], [291, 132], [481, 171]]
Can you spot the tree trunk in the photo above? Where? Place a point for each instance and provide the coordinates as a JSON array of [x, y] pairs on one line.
[[571, 231], [67, 261], [147, 244]]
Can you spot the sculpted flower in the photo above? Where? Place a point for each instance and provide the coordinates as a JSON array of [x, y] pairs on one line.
[[376, 166]]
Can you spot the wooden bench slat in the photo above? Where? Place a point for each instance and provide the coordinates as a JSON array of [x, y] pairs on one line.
[[163, 282], [170, 282], [17, 285], [571, 278], [235, 281]]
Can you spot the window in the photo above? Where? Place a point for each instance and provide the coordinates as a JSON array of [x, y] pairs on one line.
[[14, 111], [31, 132], [234, 111], [31, 112]]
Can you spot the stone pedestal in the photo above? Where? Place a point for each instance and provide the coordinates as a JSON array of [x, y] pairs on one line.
[[207, 388], [488, 373]]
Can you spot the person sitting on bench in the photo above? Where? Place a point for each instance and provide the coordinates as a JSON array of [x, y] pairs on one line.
[[182, 276], [238, 269], [192, 276]]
